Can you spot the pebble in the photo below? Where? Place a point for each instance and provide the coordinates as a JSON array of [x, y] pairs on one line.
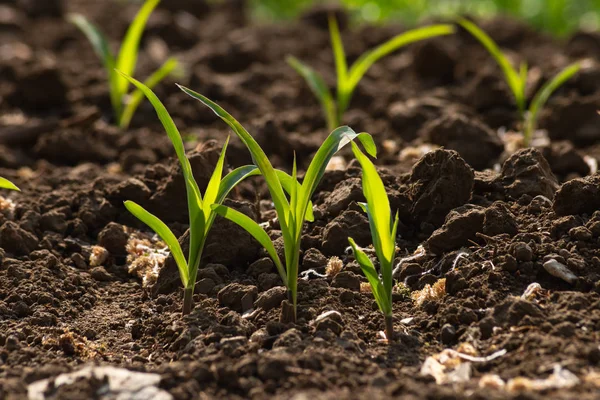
[[523, 252], [559, 270]]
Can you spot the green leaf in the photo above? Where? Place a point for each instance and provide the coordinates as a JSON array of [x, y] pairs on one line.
[[543, 95], [286, 182], [378, 207], [319, 88], [6, 184], [137, 96], [514, 79], [366, 265], [334, 142], [255, 230], [194, 198], [165, 234], [260, 158], [128, 53], [366, 60], [233, 178], [102, 49], [212, 189], [340, 63]]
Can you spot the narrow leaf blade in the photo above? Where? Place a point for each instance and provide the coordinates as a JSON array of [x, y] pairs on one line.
[[378, 207], [233, 178], [513, 78], [544, 94], [253, 229], [365, 61], [260, 158], [367, 267], [165, 234], [102, 49], [319, 88], [137, 96], [6, 184], [128, 53]]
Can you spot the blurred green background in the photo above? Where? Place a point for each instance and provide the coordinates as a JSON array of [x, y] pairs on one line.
[[559, 17]]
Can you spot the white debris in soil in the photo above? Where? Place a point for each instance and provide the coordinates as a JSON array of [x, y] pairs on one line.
[[592, 163], [7, 208], [430, 292], [146, 256], [559, 270], [98, 256], [454, 366], [337, 163], [119, 383], [491, 381], [334, 266], [532, 291], [559, 379], [412, 154], [418, 253]]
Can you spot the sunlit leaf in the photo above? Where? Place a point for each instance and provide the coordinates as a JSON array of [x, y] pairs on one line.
[[253, 229], [128, 53], [319, 88], [6, 184], [543, 95], [165, 234], [137, 96]]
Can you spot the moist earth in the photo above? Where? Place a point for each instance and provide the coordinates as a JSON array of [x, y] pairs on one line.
[[498, 247]]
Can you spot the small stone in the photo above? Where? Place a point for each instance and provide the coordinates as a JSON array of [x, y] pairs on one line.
[[290, 338], [79, 261], [204, 285], [509, 263], [347, 280], [330, 320], [100, 274], [555, 268], [238, 297], [12, 343], [523, 252], [272, 298], [113, 238], [262, 266], [448, 334], [580, 233]]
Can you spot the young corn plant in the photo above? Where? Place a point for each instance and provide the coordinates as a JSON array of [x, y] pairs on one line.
[[291, 212], [348, 78], [517, 81], [6, 184], [383, 232], [124, 106], [200, 208]]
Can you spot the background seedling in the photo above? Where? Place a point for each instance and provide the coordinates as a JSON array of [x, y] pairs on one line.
[[348, 79], [6, 184], [200, 209], [517, 81], [290, 213], [383, 232], [124, 62]]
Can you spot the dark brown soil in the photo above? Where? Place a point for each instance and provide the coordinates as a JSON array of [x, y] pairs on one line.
[[489, 218]]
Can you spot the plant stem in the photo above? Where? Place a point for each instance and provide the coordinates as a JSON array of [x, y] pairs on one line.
[[188, 301], [292, 304], [389, 327]]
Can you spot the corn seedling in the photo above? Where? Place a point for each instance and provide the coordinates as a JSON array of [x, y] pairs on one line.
[[383, 232], [348, 78], [6, 184], [201, 213], [125, 61], [517, 81], [293, 212]]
